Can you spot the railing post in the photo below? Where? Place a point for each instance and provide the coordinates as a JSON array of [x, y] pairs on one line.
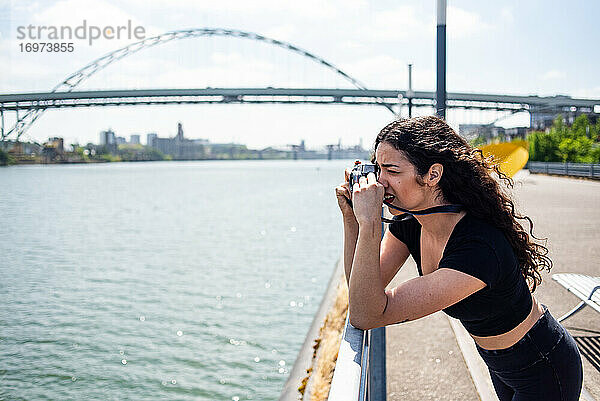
[[377, 373]]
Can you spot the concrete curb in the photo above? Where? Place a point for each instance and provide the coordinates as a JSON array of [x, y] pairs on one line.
[[477, 368]]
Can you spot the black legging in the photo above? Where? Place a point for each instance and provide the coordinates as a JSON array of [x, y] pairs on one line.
[[544, 365]]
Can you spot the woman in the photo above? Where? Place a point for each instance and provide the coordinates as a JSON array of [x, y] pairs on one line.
[[476, 264]]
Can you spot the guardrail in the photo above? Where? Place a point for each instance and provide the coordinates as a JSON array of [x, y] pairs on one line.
[[360, 368], [350, 377], [588, 170]]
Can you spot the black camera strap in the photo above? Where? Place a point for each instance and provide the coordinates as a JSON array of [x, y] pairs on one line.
[[411, 213], [431, 210], [408, 214]]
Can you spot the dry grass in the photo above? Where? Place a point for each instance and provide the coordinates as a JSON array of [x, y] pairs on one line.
[[326, 346]]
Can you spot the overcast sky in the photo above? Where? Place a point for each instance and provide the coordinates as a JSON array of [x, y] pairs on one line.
[[509, 47]]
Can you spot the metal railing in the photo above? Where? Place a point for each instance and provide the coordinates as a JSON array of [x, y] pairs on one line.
[[350, 377], [360, 369], [588, 170]]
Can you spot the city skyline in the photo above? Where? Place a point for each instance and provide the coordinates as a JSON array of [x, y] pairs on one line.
[[149, 137], [489, 50]]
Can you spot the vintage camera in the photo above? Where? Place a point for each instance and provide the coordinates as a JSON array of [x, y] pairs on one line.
[[361, 170]]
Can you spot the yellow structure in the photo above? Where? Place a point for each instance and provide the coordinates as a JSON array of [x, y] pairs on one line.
[[510, 156]]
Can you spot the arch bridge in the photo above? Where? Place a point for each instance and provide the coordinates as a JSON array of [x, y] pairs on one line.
[[63, 95]]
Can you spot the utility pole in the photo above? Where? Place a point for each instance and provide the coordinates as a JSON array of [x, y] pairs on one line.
[[440, 95], [410, 94]]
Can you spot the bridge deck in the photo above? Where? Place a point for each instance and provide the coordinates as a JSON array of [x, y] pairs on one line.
[[282, 95]]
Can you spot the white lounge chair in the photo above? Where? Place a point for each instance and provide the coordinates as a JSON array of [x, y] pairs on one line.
[[584, 287]]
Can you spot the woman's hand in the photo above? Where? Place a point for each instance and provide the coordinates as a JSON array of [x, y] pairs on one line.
[[367, 198], [344, 195]]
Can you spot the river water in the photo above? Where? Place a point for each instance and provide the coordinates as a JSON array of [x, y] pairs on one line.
[[161, 280]]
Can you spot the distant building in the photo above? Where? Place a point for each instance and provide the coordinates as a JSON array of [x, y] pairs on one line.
[[107, 137], [472, 131], [468, 131], [57, 143], [179, 135], [272, 153], [134, 139], [165, 145], [150, 139], [356, 152], [121, 140], [542, 119], [179, 147], [516, 132], [21, 148], [108, 140], [54, 150]]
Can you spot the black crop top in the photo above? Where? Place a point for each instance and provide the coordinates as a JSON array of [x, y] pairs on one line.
[[482, 251]]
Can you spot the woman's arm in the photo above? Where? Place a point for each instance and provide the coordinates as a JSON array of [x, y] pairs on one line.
[[393, 251], [370, 304], [392, 256], [367, 297], [350, 238], [414, 298]]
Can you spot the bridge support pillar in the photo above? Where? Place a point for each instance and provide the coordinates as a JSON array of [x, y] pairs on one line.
[[17, 129]]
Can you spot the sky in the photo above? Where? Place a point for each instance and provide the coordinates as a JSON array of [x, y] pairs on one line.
[[535, 47]]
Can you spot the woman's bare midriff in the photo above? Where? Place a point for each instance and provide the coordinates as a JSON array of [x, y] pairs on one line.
[[512, 337]]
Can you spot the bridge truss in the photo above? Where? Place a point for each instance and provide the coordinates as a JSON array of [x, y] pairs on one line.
[[72, 81]]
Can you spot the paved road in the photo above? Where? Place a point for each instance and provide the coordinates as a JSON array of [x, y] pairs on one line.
[[423, 358]]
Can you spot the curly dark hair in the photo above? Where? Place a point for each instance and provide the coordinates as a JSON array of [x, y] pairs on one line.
[[467, 180]]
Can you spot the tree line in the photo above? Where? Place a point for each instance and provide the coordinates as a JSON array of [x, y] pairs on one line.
[[577, 143]]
